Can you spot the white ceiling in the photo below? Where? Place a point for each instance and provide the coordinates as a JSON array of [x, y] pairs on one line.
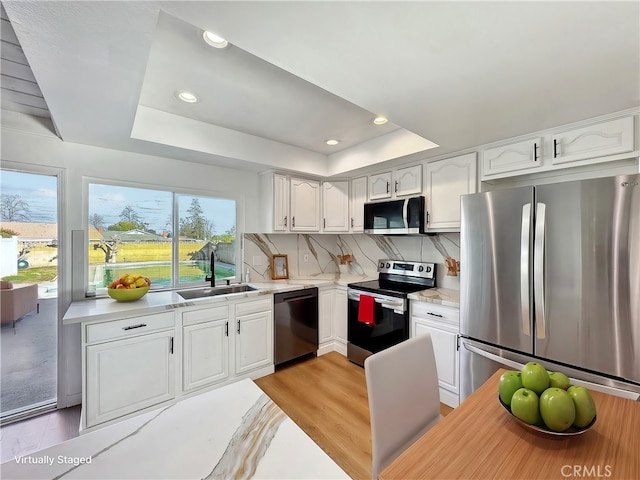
[[459, 74]]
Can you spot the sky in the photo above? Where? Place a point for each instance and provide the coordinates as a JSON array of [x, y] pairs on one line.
[[38, 191], [153, 206]]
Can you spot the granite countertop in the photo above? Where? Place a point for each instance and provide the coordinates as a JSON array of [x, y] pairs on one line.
[[236, 431], [443, 296], [106, 309]]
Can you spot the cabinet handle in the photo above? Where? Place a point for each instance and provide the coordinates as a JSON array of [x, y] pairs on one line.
[[226, 328], [387, 187], [324, 223], [171, 346], [396, 187], [535, 152], [555, 146], [285, 220], [131, 327], [238, 326], [427, 217], [351, 222], [293, 221], [435, 314]]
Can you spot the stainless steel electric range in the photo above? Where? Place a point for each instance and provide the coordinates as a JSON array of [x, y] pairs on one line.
[[386, 319]]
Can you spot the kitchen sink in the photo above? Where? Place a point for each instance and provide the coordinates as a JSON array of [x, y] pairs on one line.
[[213, 291]]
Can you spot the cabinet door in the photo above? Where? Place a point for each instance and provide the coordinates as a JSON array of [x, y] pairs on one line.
[[380, 186], [305, 205], [205, 354], [407, 181], [325, 312], [607, 138], [358, 199], [446, 180], [445, 348], [124, 376], [335, 206], [522, 155], [340, 306], [254, 341], [280, 203]]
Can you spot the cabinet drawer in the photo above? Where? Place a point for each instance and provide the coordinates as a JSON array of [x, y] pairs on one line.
[[129, 327], [247, 308], [435, 312], [205, 315]]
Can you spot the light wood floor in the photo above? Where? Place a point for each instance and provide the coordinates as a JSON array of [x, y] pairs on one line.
[[33, 434], [327, 397]]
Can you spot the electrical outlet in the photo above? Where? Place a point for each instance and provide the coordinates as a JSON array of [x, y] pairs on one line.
[[257, 260], [305, 257]]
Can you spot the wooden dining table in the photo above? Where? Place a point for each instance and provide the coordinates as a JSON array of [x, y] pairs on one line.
[[481, 440]]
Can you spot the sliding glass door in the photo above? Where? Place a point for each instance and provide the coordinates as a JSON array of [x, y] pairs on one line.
[[29, 274]]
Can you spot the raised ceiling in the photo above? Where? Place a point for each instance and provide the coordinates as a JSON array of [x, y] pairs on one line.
[[459, 74]]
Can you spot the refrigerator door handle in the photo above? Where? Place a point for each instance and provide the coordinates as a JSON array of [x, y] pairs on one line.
[[492, 356], [538, 270], [524, 268]]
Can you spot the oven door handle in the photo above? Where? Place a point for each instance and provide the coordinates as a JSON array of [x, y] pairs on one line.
[[396, 307]]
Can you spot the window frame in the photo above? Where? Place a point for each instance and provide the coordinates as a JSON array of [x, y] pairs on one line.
[[175, 192]]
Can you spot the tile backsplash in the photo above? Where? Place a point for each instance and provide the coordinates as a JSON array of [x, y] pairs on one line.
[[314, 254]]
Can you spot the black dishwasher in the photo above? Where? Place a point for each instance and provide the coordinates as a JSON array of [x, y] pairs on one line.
[[296, 324]]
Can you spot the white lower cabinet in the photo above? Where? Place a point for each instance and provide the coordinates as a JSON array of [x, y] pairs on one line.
[[332, 319], [443, 325], [136, 364], [127, 368], [253, 341], [205, 347]]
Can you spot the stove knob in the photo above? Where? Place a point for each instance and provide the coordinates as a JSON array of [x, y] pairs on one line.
[[388, 265], [381, 264], [428, 269], [420, 268]]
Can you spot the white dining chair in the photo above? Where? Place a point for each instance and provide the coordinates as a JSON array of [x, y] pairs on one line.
[[404, 400]]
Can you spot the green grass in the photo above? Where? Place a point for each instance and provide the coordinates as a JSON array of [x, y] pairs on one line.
[[33, 275]]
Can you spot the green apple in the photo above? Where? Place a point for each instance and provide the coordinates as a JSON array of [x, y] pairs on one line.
[[509, 382], [585, 406], [535, 377], [559, 380], [557, 409], [524, 405]]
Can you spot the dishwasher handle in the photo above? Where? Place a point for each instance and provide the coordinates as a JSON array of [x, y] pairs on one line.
[[305, 294]]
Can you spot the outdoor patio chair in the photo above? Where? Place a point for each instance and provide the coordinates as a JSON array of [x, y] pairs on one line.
[[16, 301]]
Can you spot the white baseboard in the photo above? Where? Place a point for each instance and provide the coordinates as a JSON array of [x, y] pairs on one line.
[[449, 398], [333, 346]]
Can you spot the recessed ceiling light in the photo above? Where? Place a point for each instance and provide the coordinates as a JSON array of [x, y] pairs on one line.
[[186, 96], [380, 120], [332, 141], [214, 40]]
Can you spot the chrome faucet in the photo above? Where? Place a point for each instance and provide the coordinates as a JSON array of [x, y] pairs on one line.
[[212, 278]]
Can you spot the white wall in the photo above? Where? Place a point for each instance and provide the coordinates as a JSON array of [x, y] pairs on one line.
[[45, 153]]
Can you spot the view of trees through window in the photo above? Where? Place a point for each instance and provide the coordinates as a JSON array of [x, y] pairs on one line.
[[133, 231]]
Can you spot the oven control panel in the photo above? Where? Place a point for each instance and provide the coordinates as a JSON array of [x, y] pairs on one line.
[[408, 268]]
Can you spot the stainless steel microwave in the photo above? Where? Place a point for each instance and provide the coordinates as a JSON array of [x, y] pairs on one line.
[[395, 217]]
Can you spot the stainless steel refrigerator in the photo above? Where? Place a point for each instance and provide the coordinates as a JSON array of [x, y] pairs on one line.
[[552, 273]]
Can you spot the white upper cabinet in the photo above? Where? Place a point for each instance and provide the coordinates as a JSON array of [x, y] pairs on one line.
[[407, 181], [305, 205], [445, 181], [380, 186], [358, 199], [512, 157], [280, 203], [335, 206], [401, 182], [606, 138]]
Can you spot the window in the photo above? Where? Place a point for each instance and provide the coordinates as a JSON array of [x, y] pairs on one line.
[[166, 236]]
